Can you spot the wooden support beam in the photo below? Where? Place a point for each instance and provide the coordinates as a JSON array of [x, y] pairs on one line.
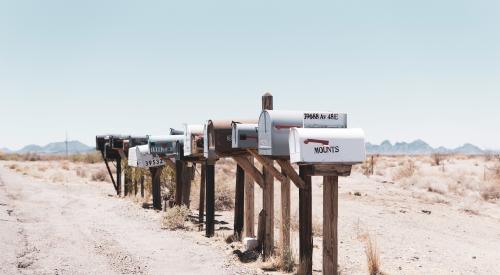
[[341, 170], [119, 176], [330, 221], [250, 169], [285, 218], [186, 185], [127, 182], [156, 186], [239, 209], [135, 181], [268, 165], [210, 198], [288, 170], [201, 208], [109, 171], [249, 204], [179, 170], [142, 185], [305, 225]]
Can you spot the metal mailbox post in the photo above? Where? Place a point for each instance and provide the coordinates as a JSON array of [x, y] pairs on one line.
[[330, 153], [274, 127]]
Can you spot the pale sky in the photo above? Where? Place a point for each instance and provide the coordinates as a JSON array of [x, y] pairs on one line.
[[402, 70]]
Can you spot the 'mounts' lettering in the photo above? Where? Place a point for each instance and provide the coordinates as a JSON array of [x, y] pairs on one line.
[[326, 149]]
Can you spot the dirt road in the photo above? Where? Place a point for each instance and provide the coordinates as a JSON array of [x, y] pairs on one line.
[[54, 228]]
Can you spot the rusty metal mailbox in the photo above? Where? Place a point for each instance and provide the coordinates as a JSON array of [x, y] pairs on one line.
[[139, 156], [244, 136], [193, 140], [274, 128], [164, 145], [327, 145]]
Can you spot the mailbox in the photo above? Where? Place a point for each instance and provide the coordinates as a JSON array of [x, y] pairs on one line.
[[244, 136], [193, 140], [139, 156], [176, 132], [274, 128], [218, 138], [116, 141], [326, 145], [100, 141], [110, 153], [164, 145], [137, 140]]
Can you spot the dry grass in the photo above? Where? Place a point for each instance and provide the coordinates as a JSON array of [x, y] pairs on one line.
[[224, 197], [372, 256], [58, 177], [406, 170], [81, 172], [437, 159], [65, 166], [175, 218], [101, 175], [284, 261]]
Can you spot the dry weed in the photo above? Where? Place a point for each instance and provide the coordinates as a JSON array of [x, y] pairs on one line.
[[406, 170], [57, 177], [175, 218], [81, 172], [224, 197], [100, 175], [372, 256], [65, 166], [283, 261]]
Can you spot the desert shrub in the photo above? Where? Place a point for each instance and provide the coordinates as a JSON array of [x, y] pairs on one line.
[[31, 157], [43, 168], [13, 166], [224, 197], [100, 175], [284, 261], [81, 172], [437, 159], [491, 192], [57, 177], [90, 157], [175, 218], [372, 256], [406, 170], [65, 166]]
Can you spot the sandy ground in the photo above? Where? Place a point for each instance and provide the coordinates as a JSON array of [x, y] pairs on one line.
[[434, 220], [80, 228]]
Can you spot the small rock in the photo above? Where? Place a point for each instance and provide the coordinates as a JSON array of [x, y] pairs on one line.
[[428, 212]]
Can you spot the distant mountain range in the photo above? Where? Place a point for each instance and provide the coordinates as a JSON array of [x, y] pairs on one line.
[[74, 147], [419, 147]]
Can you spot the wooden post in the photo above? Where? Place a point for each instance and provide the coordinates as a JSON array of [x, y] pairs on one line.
[[239, 209], [210, 198], [201, 208], [127, 182], [179, 171], [305, 225], [119, 176], [186, 184], [268, 195], [249, 204], [135, 181], [372, 163], [330, 221], [285, 216], [156, 186], [142, 185]]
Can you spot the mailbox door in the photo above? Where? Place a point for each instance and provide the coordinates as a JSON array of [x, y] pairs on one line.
[[274, 128], [244, 136], [146, 159], [132, 157], [193, 135], [327, 145]]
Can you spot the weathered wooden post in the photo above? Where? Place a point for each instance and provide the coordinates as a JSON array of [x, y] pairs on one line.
[[210, 198], [239, 210], [142, 185], [330, 221], [186, 184], [118, 176], [201, 207], [249, 204], [305, 225], [179, 172], [268, 195], [156, 186]]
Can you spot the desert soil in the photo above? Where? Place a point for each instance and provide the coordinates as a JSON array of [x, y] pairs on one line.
[[80, 228]]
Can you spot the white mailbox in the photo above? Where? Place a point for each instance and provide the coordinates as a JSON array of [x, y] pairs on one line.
[[245, 136], [274, 128], [139, 156], [164, 145], [324, 145], [193, 140]]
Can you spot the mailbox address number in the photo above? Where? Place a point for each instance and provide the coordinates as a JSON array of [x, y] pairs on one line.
[[153, 162], [321, 116]]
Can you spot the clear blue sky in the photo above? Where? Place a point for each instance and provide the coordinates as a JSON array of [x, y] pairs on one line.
[[402, 69]]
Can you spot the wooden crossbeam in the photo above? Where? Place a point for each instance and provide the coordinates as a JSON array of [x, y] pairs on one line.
[[249, 168], [291, 173], [268, 164]]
